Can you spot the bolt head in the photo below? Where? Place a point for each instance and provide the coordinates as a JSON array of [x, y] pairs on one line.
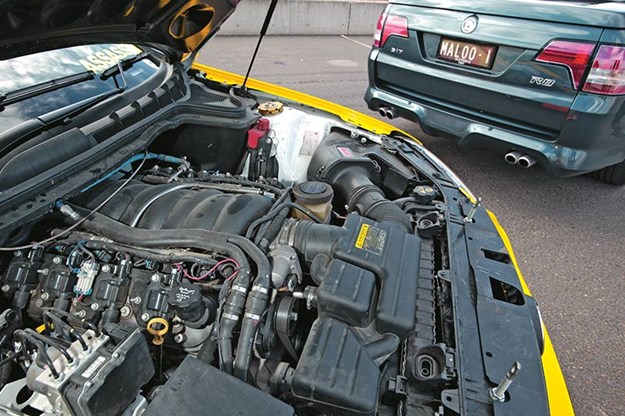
[[95, 306], [6, 288], [80, 314], [106, 268], [56, 260], [18, 253], [494, 396], [136, 300], [155, 277], [125, 311], [115, 355], [45, 296], [145, 316], [179, 338], [39, 303], [88, 384]]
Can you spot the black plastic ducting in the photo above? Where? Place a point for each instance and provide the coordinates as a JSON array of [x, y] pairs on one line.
[[347, 293], [337, 161], [388, 252], [197, 388], [336, 370]]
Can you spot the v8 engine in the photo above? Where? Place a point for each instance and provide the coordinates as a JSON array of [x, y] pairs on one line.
[[165, 288]]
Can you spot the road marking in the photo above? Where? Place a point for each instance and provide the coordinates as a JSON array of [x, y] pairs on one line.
[[355, 41], [343, 63]]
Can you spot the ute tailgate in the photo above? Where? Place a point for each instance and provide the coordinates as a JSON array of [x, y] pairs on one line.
[[605, 14], [516, 92]]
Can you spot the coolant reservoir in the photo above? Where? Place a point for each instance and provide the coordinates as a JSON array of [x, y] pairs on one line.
[[296, 136], [315, 197]]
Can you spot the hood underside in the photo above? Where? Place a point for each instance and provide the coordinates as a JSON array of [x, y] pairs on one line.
[[176, 26]]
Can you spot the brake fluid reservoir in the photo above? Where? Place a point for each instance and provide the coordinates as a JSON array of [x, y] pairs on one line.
[[296, 135], [315, 197]]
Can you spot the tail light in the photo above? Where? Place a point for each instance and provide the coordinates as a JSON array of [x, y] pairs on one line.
[[573, 55], [377, 35], [389, 25], [607, 74]]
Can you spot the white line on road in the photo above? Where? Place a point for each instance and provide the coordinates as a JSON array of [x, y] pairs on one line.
[[355, 41]]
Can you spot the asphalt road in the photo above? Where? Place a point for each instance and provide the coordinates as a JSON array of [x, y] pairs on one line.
[[568, 234]]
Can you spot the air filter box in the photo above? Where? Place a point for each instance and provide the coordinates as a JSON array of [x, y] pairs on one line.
[[197, 388]]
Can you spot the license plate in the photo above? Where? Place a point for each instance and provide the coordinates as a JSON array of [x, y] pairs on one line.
[[466, 53]]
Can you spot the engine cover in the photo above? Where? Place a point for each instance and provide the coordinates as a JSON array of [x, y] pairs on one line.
[[179, 205]]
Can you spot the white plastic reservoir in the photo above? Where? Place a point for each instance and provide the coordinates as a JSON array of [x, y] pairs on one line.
[[296, 136]]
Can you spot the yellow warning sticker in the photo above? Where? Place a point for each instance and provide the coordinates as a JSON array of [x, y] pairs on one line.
[[362, 235]]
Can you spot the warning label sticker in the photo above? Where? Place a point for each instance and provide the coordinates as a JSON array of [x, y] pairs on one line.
[[310, 143], [371, 239], [345, 151]]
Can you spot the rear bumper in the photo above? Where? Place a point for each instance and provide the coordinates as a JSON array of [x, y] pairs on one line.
[[575, 152]]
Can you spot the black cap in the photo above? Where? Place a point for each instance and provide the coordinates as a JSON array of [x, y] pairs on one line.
[[313, 193], [186, 300]]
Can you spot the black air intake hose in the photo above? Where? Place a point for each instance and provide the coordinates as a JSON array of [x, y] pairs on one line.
[[337, 161]]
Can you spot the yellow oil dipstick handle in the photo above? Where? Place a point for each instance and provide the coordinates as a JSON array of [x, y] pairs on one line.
[[158, 327]]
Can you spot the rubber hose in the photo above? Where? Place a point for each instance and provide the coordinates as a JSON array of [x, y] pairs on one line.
[[231, 315], [160, 256], [195, 238]]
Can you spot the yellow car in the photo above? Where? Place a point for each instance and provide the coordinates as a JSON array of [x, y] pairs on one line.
[[176, 239]]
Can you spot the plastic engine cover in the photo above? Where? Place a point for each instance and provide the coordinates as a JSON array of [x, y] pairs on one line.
[[346, 293], [197, 388], [335, 369], [393, 256]]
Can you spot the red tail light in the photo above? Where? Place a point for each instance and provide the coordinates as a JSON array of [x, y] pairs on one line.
[[573, 55], [377, 35], [389, 25], [607, 74]]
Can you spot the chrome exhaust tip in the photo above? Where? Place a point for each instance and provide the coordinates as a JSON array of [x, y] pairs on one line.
[[526, 161], [513, 157], [391, 113]]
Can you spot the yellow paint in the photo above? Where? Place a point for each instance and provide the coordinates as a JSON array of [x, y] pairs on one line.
[[346, 114], [41, 328], [559, 399], [362, 235], [468, 195], [506, 243]]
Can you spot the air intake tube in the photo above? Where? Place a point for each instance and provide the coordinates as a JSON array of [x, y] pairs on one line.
[[339, 162]]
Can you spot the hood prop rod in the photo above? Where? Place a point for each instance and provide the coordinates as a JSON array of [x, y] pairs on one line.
[[263, 31]]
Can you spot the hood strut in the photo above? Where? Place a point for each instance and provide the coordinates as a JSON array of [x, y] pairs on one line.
[[268, 17]]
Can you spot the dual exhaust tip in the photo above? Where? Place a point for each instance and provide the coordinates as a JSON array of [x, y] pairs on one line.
[[523, 160], [391, 113], [515, 157]]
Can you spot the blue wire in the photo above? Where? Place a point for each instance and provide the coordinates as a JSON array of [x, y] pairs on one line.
[[163, 158]]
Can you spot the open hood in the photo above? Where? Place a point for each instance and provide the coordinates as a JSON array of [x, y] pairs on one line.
[[175, 26]]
